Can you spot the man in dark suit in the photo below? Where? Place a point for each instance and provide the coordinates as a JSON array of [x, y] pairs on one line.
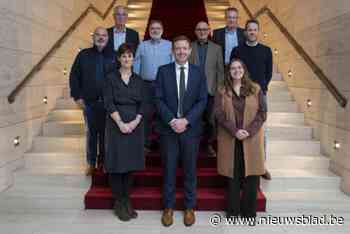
[[231, 35], [120, 34], [208, 56], [181, 97]]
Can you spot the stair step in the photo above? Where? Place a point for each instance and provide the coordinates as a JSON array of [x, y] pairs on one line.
[[150, 198], [77, 144], [285, 118], [274, 106]]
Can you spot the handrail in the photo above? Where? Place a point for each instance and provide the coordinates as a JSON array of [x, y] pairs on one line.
[[314, 67], [11, 97]]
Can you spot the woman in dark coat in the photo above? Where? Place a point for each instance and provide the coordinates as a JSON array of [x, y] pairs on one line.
[[124, 138]]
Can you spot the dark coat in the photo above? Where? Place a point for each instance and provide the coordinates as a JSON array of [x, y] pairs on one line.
[[219, 38]]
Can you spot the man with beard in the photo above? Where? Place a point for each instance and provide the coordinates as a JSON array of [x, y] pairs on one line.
[[258, 59], [86, 81], [150, 55]]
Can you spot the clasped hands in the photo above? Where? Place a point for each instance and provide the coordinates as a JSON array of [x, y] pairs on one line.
[[242, 134], [179, 125], [129, 127]]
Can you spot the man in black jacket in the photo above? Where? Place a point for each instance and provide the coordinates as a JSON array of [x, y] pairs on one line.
[[119, 33], [86, 79], [231, 35]]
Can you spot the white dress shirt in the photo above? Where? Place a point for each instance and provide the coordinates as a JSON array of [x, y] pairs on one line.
[[178, 71]]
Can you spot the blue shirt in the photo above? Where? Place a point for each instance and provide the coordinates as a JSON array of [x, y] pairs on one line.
[[119, 38], [231, 41], [149, 56]]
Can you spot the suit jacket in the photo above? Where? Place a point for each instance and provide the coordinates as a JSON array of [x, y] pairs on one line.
[[132, 37], [166, 98], [214, 65], [219, 38]]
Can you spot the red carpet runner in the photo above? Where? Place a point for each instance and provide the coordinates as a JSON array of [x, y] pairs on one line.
[[179, 17]]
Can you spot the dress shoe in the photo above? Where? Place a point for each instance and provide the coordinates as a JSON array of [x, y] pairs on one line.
[[189, 217], [167, 217], [267, 175], [133, 214], [121, 210], [211, 152], [89, 170]]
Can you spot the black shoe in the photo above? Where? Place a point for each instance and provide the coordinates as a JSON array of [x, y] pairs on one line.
[[133, 214], [121, 211]]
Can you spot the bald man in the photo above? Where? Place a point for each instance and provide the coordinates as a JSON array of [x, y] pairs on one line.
[[208, 56], [119, 33], [86, 79]]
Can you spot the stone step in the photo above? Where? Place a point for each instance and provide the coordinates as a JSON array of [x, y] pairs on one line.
[[272, 117], [54, 160], [276, 118], [275, 131], [283, 147], [279, 96], [280, 163], [274, 106], [309, 179], [76, 144]]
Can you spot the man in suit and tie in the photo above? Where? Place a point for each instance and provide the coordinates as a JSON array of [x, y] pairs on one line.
[[231, 35], [181, 97], [208, 56], [119, 33]]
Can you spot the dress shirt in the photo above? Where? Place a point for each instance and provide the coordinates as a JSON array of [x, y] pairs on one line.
[[119, 37], [231, 41], [150, 55]]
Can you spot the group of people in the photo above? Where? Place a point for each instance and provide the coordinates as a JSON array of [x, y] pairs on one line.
[[121, 84]]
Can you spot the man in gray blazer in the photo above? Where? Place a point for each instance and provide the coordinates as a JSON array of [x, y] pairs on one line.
[[208, 56]]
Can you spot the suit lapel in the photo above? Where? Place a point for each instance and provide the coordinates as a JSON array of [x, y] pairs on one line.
[[210, 53], [174, 82], [195, 53], [189, 81]]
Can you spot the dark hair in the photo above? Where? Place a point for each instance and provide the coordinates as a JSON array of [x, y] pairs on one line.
[[252, 21], [231, 9], [248, 86], [181, 38], [155, 22], [125, 48]]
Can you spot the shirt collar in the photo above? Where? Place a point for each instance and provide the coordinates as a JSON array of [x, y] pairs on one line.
[[230, 31], [252, 45], [178, 66], [202, 43], [115, 30], [153, 42]]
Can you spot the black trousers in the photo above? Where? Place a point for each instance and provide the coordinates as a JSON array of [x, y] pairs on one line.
[[95, 117], [246, 206], [149, 110], [121, 184], [208, 118]]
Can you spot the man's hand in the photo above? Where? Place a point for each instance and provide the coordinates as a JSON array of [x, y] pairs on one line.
[[242, 134], [179, 125], [80, 103]]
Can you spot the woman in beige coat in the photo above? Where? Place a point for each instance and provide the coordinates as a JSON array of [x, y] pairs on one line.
[[240, 112]]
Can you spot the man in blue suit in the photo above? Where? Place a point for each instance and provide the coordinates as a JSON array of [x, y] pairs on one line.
[[181, 97]]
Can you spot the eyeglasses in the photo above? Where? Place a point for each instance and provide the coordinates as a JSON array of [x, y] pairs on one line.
[[120, 14], [202, 29]]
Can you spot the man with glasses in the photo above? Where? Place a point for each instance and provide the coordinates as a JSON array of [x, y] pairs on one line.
[[120, 34], [208, 56], [150, 55], [231, 35]]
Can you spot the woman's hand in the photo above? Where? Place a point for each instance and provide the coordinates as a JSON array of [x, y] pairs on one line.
[[124, 128], [242, 134]]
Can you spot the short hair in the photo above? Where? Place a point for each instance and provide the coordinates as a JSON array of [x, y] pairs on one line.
[[125, 48], [121, 7], [156, 22], [181, 38], [231, 9], [252, 21]]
